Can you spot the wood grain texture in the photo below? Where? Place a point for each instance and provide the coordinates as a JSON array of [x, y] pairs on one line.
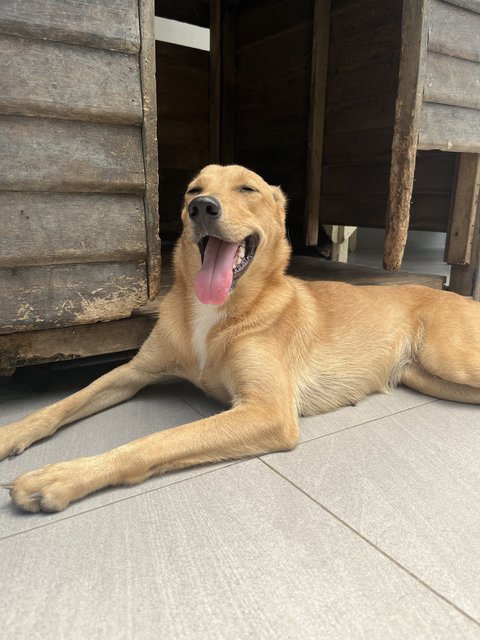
[[312, 269], [215, 83], [452, 81], [454, 31], [471, 5], [449, 128], [54, 228], [405, 136], [362, 17], [150, 144], [318, 85], [106, 24], [39, 154], [428, 211], [70, 343], [462, 221], [372, 113], [64, 295], [465, 279], [57, 80]]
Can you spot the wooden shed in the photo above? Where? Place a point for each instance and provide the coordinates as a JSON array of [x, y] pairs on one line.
[[79, 239], [342, 102], [367, 112]]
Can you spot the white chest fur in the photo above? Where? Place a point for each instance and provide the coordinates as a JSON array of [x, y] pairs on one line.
[[204, 318]]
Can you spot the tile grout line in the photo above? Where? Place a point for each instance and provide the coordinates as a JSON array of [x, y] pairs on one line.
[[260, 457], [361, 424], [372, 544], [231, 463]]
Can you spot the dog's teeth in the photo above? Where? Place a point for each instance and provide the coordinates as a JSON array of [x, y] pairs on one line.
[[239, 256]]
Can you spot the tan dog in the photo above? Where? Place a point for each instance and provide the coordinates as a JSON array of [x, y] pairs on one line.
[[271, 345]]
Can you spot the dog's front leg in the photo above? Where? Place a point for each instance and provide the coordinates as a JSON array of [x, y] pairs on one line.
[[243, 431], [151, 364]]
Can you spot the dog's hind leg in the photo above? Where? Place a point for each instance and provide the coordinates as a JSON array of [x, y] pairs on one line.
[[415, 377]]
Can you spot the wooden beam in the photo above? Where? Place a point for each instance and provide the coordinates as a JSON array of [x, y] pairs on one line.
[[465, 203], [406, 129], [150, 144], [318, 83], [465, 279], [227, 86], [215, 80], [449, 128]]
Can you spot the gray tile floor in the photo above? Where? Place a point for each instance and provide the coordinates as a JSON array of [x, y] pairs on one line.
[[369, 529]]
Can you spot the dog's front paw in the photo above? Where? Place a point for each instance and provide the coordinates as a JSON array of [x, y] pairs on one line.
[[48, 489]]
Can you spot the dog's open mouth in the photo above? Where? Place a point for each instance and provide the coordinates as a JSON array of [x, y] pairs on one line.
[[223, 263]]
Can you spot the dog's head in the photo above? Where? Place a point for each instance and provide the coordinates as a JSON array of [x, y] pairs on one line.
[[234, 228]]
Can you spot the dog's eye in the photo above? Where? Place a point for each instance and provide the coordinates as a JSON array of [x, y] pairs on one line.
[[246, 189], [193, 191]]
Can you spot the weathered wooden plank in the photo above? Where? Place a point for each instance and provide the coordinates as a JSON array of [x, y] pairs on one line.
[[464, 210], [318, 83], [358, 146], [429, 211], [53, 228], [382, 43], [465, 279], [434, 172], [375, 78], [452, 81], [454, 31], [228, 86], [276, 54], [471, 5], [106, 24], [63, 295], [449, 128], [214, 125], [40, 154], [368, 113], [70, 343], [407, 116], [59, 80], [259, 21], [363, 17], [150, 144], [309, 268]]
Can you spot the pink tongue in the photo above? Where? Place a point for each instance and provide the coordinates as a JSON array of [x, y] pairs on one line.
[[213, 281]]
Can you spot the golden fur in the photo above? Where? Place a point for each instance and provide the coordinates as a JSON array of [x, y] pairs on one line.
[[276, 348]]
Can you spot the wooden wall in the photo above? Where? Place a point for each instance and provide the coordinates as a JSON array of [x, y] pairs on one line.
[[183, 126], [75, 229], [451, 110], [361, 91], [273, 41]]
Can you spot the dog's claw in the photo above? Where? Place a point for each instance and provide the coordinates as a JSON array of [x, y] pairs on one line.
[[16, 452]]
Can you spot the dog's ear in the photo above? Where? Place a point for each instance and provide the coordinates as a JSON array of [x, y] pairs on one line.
[[279, 196]]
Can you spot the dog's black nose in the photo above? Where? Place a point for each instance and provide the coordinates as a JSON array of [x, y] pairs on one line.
[[204, 206]]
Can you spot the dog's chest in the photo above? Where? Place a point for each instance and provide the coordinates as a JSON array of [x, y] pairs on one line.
[[204, 318]]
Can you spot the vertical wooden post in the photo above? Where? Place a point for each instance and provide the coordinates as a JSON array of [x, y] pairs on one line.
[[222, 82], [464, 210], [215, 80], [318, 84], [463, 249], [405, 136], [150, 144]]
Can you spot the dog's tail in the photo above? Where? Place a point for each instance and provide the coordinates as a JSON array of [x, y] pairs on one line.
[[417, 378]]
